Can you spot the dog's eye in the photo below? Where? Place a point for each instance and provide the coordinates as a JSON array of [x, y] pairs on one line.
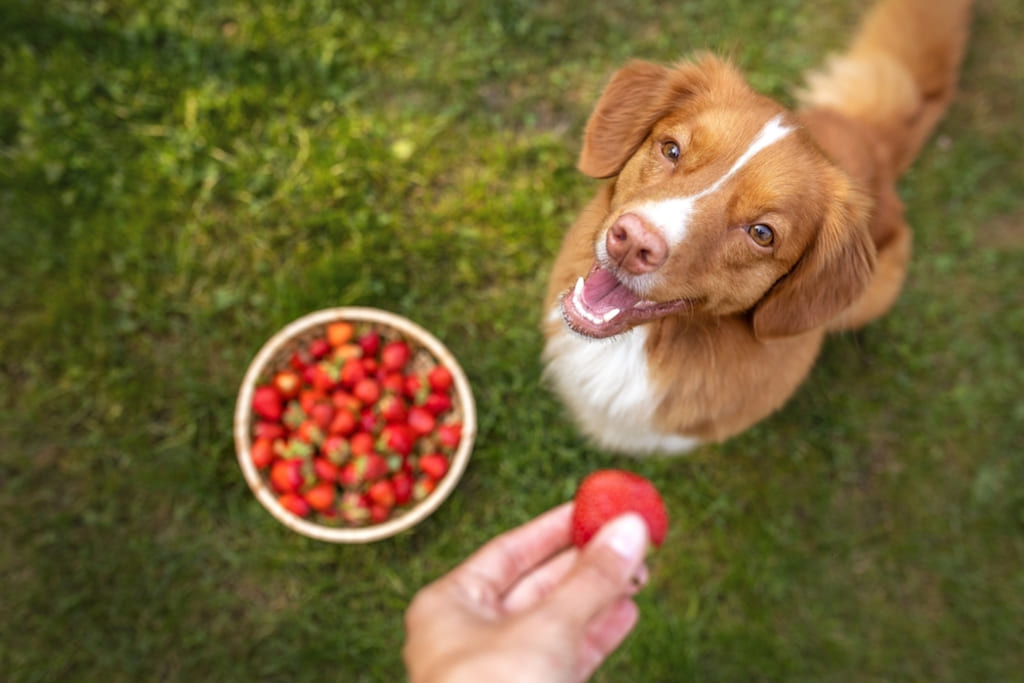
[[670, 151], [762, 234]]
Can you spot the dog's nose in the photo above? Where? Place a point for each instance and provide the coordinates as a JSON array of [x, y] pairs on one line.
[[635, 247]]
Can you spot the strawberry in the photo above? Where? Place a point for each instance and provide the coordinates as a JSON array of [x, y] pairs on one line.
[[393, 383], [319, 347], [361, 443], [323, 376], [309, 432], [325, 470], [415, 390], [382, 492], [370, 343], [367, 390], [423, 487], [335, 448], [321, 496], [262, 453], [342, 400], [354, 508], [437, 403], [606, 494], [340, 333], [288, 383], [322, 414], [421, 420], [434, 465], [346, 352], [286, 475], [295, 504], [397, 438], [379, 513], [392, 408], [375, 467], [299, 361], [401, 482], [269, 430], [352, 372], [267, 403], [395, 355], [343, 423], [440, 379], [450, 434]]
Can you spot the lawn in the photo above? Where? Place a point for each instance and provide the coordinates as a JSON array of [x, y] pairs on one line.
[[178, 179]]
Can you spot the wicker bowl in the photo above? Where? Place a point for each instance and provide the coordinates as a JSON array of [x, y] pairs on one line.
[[275, 354]]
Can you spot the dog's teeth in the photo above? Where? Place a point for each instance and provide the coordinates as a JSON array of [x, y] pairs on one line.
[[610, 314], [577, 292]]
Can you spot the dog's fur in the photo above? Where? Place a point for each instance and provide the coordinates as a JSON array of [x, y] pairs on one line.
[[719, 321]]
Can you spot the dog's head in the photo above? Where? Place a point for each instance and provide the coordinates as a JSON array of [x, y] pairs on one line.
[[721, 204]]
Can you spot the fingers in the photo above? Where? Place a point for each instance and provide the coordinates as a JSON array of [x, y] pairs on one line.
[[606, 571], [499, 564], [538, 584], [605, 633]]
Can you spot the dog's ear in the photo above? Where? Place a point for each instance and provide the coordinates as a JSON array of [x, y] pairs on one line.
[[833, 271], [638, 95]]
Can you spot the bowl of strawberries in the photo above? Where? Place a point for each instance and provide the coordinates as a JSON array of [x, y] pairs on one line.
[[353, 424]]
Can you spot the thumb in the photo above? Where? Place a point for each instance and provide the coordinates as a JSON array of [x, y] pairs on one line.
[[607, 569]]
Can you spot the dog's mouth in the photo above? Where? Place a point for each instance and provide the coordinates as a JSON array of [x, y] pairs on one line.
[[601, 306]]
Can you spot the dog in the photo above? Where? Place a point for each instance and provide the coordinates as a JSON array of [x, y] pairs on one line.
[[691, 297]]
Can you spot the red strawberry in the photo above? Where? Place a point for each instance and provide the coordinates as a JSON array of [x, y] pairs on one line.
[[394, 355], [321, 496], [397, 438], [352, 372], [309, 432], [325, 470], [343, 423], [335, 448], [440, 379], [402, 483], [354, 508], [339, 333], [319, 347], [287, 383], [606, 494], [379, 513], [450, 434], [342, 400], [423, 487], [361, 443], [262, 453], [414, 388], [382, 492], [322, 413], [438, 403], [392, 409], [323, 376], [267, 403], [286, 475], [370, 342], [269, 430], [299, 360], [369, 421], [295, 504], [434, 465], [361, 469], [367, 390], [375, 468], [421, 420], [393, 383]]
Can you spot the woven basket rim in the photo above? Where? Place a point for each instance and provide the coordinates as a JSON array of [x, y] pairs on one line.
[[261, 364]]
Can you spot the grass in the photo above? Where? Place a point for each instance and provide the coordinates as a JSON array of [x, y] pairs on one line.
[[178, 179]]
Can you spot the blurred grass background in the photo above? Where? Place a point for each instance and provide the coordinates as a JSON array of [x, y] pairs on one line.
[[178, 179]]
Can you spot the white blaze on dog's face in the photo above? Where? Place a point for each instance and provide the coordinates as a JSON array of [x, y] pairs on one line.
[[715, 206]]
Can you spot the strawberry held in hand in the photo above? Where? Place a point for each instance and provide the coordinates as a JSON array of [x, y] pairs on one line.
[[606, 494]]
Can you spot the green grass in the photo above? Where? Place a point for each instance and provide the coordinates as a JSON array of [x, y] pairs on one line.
[[178, 179]]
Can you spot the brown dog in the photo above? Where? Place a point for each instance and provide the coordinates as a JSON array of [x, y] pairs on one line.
[[691, 297]]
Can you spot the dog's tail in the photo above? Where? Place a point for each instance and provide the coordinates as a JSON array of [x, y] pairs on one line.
[[899, 74]]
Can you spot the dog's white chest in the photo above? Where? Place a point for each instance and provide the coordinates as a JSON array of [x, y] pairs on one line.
[[607, 386]]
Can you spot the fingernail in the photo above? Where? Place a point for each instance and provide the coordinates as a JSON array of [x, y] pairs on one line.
[[627, 536]]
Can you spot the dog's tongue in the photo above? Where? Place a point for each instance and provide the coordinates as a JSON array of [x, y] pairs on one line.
[[602, 292]]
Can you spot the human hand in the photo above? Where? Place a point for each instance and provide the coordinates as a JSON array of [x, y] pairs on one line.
[[529, 607]]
